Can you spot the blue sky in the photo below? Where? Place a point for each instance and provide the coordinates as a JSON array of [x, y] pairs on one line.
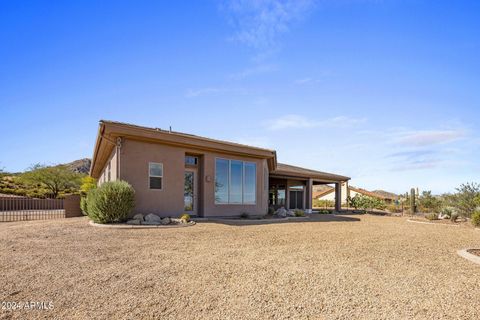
[[386, 92]]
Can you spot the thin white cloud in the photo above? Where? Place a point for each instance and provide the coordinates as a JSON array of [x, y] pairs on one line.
[[429, 137], [257, 70], [304, 81], [259, 23], [301, 122], [193, 93]]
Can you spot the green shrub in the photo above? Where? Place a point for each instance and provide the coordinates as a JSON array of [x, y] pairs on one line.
[[111, 202], [323, 203], [324, 212], [83, 205], [447, 212], [271, 211], [454, 217], [299, 213], [476, 218], [185, 217], [432, 216]]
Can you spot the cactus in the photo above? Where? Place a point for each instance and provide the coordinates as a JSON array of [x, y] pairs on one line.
[[413, 206]]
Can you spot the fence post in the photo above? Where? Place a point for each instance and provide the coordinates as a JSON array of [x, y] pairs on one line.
[[72, 206]]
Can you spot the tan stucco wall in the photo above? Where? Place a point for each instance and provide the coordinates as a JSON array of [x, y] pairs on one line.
[[134, 159], [113, 169]]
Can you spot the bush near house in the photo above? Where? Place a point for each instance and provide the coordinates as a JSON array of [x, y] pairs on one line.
[[111, 202], [185, 217], [299, 213], [88, 183]]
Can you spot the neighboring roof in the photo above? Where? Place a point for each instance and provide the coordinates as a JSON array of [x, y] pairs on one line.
[[321, 193], [109, 131], [293, 171], [384, 195]]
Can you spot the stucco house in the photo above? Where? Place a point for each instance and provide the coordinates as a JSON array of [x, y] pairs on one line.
[[173, 173]]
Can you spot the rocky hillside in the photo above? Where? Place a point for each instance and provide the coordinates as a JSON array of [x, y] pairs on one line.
[[80, 166]]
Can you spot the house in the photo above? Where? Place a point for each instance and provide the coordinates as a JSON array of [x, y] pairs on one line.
[[327, 193], [173, 173]]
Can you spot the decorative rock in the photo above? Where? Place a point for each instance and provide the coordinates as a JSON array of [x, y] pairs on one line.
[[165, 221], [443, 216], [290, 213], [152, 218], [133, 221], [138, 216], [282, 213]]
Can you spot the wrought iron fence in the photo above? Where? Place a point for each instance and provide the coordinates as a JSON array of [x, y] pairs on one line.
[[14, 208]]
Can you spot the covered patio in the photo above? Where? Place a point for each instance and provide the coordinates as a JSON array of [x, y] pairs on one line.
[[291, 187]]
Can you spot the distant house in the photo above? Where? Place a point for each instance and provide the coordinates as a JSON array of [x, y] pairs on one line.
[[174, 172], [327, 193]]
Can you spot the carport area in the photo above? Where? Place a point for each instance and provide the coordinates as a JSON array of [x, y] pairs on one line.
[[291, 187]]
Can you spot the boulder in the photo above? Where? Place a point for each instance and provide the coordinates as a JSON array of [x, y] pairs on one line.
[[290, 213], [166, 221], [134, 221], [282, 213], [139, 217], [152, 218]]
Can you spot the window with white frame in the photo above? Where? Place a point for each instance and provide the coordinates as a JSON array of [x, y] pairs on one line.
[[155, 174], [235, 182]]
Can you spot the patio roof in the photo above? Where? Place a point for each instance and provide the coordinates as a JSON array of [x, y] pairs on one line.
[[286, 170]]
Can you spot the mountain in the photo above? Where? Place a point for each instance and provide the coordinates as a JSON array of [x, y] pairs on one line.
[[80, 166], [386, 194]]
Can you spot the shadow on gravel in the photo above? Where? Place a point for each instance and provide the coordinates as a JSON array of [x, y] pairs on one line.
[[310, 219]]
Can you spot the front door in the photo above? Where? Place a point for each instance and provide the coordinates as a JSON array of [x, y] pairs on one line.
[[296, 197], [190, 192]]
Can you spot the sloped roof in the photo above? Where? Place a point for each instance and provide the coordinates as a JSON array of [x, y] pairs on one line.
[[293, 171]]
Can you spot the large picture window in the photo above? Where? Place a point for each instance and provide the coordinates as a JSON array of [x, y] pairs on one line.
[[235, 182], [155, 173]]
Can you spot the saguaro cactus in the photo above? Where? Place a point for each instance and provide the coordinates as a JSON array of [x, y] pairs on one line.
[[413, 206]]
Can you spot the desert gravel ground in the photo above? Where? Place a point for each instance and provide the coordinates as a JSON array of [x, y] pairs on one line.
[[342, 267]]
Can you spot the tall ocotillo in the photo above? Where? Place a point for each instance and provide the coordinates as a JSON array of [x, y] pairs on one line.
[[413, 206]]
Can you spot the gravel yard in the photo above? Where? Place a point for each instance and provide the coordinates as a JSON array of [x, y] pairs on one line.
[[343, 267]]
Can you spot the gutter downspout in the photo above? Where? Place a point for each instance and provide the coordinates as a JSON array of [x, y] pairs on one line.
[[118, 150]]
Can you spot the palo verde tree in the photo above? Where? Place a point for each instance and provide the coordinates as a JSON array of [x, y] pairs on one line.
[[56, 179], [466, 200], [429, 203]]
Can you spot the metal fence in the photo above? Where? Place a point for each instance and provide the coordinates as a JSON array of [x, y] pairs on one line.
[[23, 208]]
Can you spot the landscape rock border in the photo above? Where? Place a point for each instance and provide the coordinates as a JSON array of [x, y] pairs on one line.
[[425, 222], [253, 221], [469, 256], [141, 226]]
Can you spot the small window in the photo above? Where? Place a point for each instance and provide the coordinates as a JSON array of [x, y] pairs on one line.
[[155, 175], [109, 172], [191, 161]]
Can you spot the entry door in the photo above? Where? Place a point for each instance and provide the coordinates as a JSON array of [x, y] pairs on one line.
[[296, 199], [190, 192]]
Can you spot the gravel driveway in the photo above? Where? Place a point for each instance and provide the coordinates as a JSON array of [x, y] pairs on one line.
[[344, 267]]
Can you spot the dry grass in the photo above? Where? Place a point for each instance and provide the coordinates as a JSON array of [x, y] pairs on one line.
[[364, 267]]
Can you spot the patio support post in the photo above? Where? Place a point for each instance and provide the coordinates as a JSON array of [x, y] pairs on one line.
[[308, 204], [338, 196]]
